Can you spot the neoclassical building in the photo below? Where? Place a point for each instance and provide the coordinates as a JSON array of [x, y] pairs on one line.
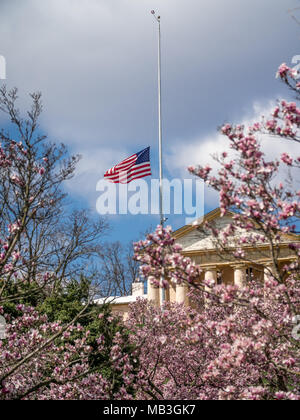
[[218, 264]]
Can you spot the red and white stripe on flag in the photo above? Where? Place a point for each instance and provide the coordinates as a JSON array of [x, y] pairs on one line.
[[135, 167]]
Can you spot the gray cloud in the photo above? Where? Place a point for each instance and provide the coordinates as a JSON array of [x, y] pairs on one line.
[[95, 62]]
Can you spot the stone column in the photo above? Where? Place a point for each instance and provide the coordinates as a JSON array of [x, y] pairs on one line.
[[268, 271], [172, 292], [181, 294], [210, 275], [240, 275], [153, 294], [162, 296], [138, 289]]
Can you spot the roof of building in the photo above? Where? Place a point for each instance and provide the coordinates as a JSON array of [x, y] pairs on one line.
[[213, 215], [208, 217], [118, 300]]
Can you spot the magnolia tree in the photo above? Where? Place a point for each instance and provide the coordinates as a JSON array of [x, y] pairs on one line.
[[48, 360], [234, 342], [45, 248], [42, 241]]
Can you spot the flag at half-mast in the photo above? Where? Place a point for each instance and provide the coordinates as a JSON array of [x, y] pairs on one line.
[[135, 167]]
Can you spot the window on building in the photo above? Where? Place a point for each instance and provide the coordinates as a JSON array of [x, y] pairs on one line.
[[219, 278], [249, 273]]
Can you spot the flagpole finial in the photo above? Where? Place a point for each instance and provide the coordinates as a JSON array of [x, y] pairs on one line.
[[156, 17]]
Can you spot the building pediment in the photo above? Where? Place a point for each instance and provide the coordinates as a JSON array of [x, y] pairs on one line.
[[200, 239], [195, 237]]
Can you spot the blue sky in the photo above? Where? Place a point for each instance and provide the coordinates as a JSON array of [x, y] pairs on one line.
[[95, 63]]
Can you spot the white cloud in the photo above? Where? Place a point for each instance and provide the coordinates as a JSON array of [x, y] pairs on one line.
[[95, 63], [201, 151]]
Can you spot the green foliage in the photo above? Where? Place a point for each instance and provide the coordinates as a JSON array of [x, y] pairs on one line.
[[66, 302], [29, 294], [64, 305], [97, 319]]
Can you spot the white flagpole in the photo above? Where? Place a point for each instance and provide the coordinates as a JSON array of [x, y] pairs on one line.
[[162, 219]]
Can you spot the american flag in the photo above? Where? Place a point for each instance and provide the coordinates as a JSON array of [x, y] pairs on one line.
[[134, 167]]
